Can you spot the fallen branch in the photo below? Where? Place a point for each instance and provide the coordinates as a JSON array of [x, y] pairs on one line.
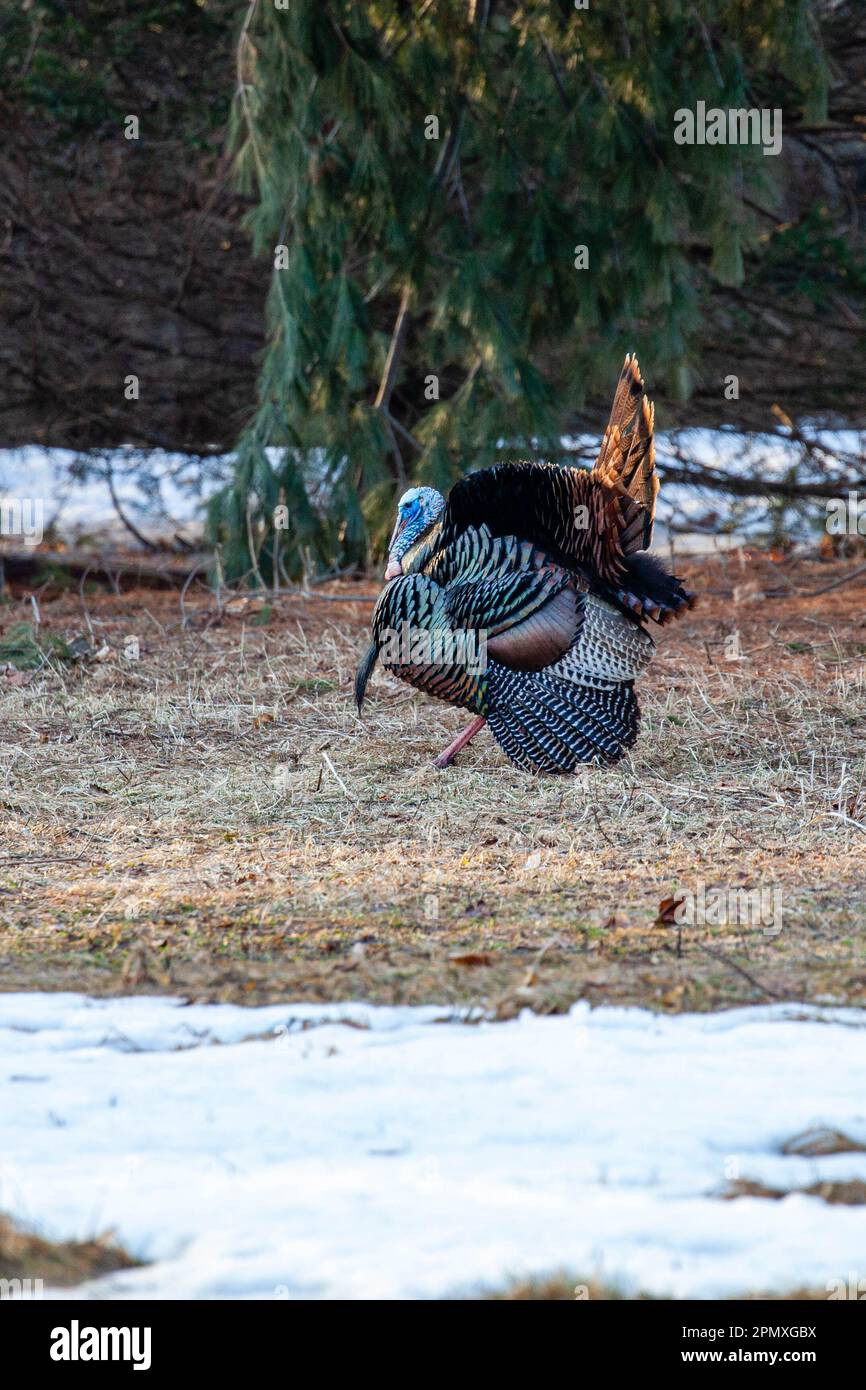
[[736, 485], [173, 573], [24, 564], [755, 487], [834, 583], [732, 965]]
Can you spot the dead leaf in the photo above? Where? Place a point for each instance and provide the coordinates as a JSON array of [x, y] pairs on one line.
[[470, 958], [667, 912], [244, 604]]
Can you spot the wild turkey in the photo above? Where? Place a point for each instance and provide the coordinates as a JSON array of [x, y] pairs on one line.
[[547, 564]]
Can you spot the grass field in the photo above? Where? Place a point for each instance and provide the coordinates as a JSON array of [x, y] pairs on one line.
[[214, 819]]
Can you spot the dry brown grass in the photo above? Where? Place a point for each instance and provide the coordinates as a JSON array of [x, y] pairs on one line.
[[24, 1255], [845, 1194], [562, 1288], [214, 819]]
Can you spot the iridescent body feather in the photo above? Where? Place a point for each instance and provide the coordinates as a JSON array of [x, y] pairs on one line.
[[543, 571]]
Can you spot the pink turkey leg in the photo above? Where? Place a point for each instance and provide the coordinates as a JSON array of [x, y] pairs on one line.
[[459, 742]]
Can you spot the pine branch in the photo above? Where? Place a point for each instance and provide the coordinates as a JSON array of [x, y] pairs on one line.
[[395, 352], [130, 526]]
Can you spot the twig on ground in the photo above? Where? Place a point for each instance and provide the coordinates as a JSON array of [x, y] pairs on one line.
[[741, 970], [337, 776], [191, 576], [834, 583]]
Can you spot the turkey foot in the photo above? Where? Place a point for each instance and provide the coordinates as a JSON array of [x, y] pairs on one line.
[[450, 753]]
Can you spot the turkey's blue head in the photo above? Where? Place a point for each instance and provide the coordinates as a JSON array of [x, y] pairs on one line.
[[417, 513]]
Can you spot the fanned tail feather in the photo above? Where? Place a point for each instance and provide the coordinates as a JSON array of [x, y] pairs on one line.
[[626, 459], [550, 725]]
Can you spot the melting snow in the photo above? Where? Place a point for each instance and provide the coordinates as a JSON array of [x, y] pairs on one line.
[[179, 484], [353, 1151]]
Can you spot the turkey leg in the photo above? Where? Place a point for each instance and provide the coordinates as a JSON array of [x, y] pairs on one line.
[[459, 742]]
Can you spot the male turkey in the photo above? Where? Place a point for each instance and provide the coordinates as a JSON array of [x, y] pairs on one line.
[[546, 567]]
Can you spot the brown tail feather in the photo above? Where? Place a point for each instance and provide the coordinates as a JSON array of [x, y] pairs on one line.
[[627, 397], [626, 459]]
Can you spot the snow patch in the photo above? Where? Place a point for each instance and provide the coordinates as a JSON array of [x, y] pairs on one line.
[[351, 1151], [165, 492]]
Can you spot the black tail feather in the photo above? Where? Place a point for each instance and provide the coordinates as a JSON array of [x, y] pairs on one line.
[[650, 592], [364, 672]]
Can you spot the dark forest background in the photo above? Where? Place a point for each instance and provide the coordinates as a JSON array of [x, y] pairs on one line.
[[121, 256]]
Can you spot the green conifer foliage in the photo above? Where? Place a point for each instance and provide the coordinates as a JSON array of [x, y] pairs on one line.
[[481, 205]]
